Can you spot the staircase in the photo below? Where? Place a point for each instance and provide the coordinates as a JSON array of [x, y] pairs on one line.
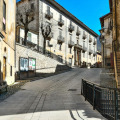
[[117, 64]]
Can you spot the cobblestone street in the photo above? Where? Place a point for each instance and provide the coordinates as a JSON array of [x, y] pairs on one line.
[[54, 98]]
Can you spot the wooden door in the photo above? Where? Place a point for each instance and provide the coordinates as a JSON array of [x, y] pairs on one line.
[[4, 68]]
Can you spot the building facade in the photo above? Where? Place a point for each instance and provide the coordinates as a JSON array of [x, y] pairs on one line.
[[71, 40], [106, 40], [7, 40], [115, 9]]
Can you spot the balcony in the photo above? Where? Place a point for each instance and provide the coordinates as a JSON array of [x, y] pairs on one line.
[[90, 39], [70, 43], [49, 14], [60, 39], [50, 36], [84, 49], [61, 22], [94, 43], [78, 46], [84, 36], [90, 51], [71, 28]]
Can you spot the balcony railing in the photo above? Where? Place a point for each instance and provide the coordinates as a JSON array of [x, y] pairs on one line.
[[104, 99], [94, 43], [61, 39], [84, 48], [49, 14], [70, 43], [71, 28], [61, 22], [50, 36], [84, 35]]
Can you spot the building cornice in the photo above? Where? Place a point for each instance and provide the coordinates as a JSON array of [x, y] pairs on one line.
[[104, 17], [68, 14], [71, 16]]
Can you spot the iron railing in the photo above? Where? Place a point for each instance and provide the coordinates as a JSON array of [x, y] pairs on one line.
[[35, 47], [105, 100]]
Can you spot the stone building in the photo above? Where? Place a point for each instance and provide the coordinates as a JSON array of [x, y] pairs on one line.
[[115, 9], [106, 40], [7, 40], [70, 40]]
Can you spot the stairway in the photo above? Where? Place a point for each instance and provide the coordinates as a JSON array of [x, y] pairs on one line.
[[118, 67]]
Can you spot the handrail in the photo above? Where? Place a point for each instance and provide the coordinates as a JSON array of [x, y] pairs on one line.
[[115, 49], [92, 83], [104, 99]]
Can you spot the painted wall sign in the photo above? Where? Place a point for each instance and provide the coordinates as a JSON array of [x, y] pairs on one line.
[[23, 64], [32, 64]]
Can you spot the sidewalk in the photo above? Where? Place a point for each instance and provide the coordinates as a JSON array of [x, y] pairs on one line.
[[107, 78]]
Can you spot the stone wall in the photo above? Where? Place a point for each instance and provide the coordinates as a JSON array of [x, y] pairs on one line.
[[44, 64]]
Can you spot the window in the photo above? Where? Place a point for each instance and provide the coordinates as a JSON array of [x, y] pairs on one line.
[[83, 54], [70, 61], [60, 58], [10, 70], [70, 37], [84, 43], [77, 42], [48, 8], [60, 17], [89, 56], [89, 46], [60, 33], [4, 16], [70, 50], [60, 46], [32, 6], [48, 43], [29, 36]]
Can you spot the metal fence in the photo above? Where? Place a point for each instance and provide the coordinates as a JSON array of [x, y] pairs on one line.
[[40, 49], [105, 100]]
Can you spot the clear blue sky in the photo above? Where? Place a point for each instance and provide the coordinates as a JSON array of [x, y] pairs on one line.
[[88, 11]]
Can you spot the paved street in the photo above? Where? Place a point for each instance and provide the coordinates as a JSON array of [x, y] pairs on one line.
[[54, 98]]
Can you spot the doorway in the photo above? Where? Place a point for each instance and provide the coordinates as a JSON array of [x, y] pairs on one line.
[[4, 68]]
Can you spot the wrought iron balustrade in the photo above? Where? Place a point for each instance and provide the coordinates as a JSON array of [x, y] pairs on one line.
[[105, 100]]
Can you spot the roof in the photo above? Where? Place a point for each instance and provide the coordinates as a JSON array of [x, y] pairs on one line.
[[68, 14], [71, 16], [110, 5], [103, 17]]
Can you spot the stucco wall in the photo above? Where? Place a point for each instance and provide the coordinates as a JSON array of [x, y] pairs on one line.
[[66, 34]]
